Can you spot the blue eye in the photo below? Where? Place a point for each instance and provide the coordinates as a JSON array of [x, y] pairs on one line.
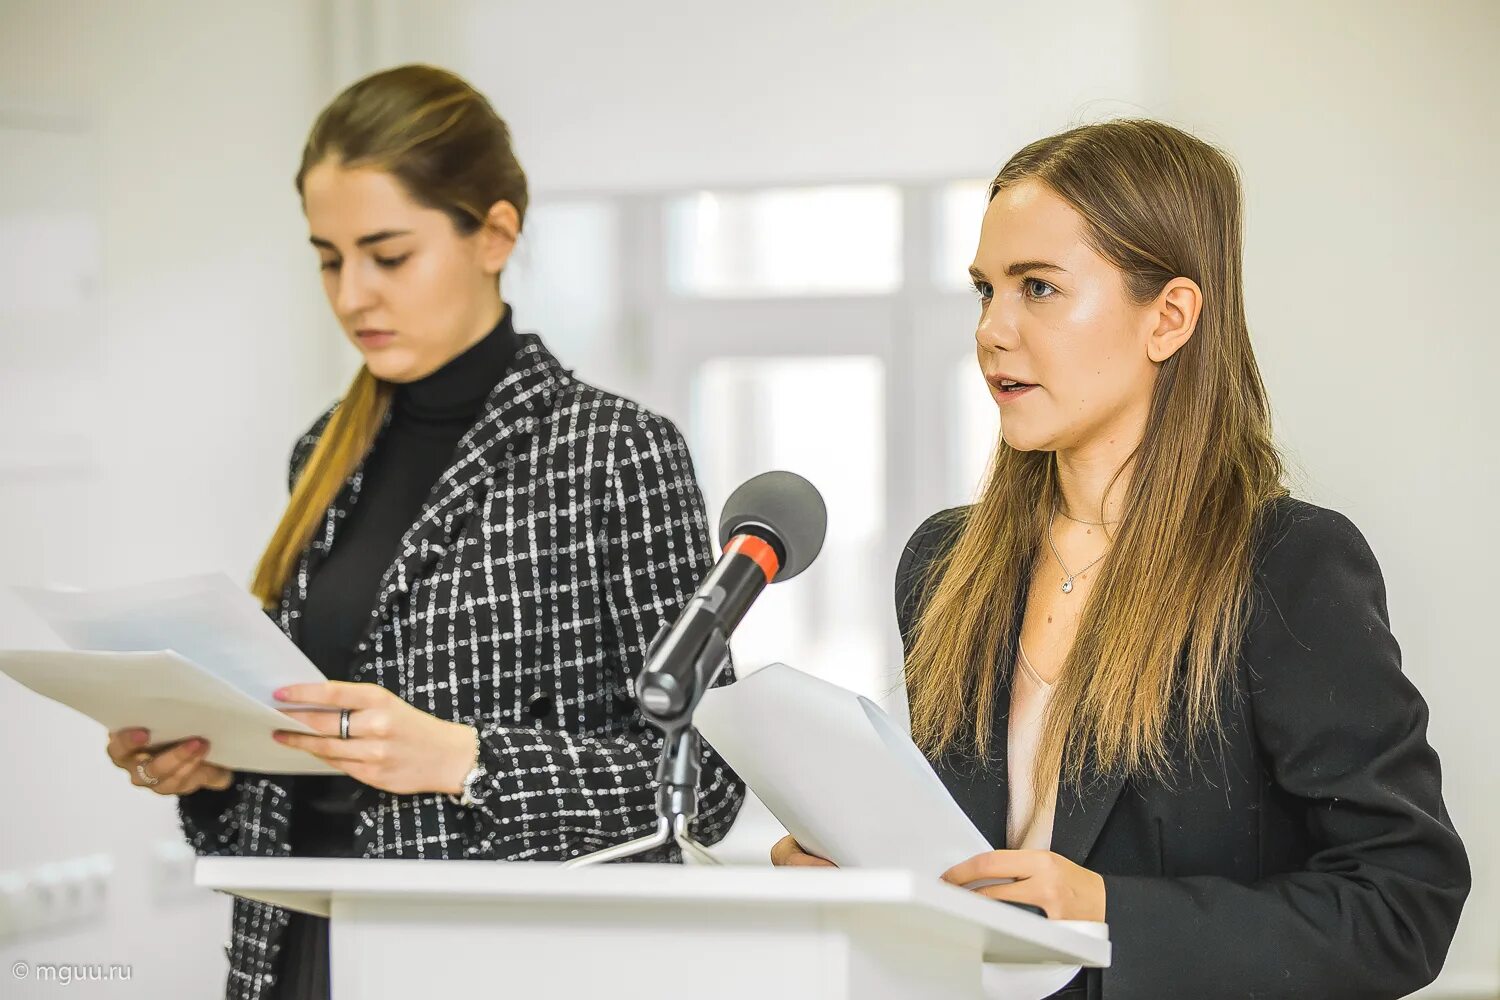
[[983, 289], [1036, 288]]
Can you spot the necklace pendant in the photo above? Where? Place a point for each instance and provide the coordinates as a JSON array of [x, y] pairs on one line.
[[1067, 586]]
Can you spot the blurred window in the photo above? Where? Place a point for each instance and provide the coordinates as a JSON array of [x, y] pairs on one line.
[[786, 241], [824, 418], [976, 430], [959, 211]]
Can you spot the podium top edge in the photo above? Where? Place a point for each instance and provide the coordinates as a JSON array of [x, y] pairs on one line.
[[636, 883]]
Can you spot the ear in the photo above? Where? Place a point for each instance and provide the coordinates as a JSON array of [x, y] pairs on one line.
[[1175, 312], [498, 235]]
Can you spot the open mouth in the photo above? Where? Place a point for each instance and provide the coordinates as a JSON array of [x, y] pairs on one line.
[[1010, 385]]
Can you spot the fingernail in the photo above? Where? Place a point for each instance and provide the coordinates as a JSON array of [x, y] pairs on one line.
[[138, 737], [279, 693], [194, 746], [278, 737]]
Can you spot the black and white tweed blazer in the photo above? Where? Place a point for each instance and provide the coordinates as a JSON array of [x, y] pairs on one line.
[[568, 529]]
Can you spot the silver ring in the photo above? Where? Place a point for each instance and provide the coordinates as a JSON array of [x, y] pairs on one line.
[[140, 769], [344, 724]]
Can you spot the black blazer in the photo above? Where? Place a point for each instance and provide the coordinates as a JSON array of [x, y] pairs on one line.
[[568, 528], [1311, 856]]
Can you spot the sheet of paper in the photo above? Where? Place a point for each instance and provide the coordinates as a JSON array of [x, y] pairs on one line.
[[852, 787], [194, 656], [837, 773], [208, 619], [170, 696]]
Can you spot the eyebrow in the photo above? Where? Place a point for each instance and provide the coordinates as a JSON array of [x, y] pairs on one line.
[[1019, 267], [363, 241]]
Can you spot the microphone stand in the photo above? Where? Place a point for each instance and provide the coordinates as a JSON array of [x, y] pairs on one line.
[[678, 773]]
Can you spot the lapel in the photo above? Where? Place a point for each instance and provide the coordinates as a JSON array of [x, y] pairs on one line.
[[1081, 812], [981, 785], [511, 413]]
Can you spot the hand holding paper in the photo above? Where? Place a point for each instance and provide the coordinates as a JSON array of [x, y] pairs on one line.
[[171, 769], [391, 745]]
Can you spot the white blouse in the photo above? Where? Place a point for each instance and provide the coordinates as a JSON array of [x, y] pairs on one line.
[[1028, 828]]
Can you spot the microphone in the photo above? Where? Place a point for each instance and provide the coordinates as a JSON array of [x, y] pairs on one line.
[[773, 528]]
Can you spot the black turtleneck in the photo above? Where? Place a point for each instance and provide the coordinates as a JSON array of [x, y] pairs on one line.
[[428, 417]]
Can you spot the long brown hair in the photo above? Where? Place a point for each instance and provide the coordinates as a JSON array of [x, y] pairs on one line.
[[449, 149], [1159, 204]]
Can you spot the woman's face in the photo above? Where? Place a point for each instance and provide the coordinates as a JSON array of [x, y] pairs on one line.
[[410, 291], [1055, 315]]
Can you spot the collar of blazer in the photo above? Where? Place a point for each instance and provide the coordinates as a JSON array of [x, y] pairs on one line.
[[1081, 812], [511, 415]]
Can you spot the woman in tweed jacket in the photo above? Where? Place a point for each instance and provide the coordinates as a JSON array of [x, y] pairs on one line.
[[489, 687]]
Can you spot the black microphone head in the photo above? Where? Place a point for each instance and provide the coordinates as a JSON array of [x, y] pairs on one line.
[[788, 508]]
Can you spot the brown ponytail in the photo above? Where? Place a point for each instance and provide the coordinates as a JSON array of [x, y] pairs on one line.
[[343, 445]]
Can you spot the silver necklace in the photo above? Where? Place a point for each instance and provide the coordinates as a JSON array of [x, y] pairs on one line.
[[1079, 520], [1067, 587]]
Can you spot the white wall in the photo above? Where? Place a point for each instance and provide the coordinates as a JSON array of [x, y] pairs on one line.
[[621, 97], [211, 352], [1369, 137]]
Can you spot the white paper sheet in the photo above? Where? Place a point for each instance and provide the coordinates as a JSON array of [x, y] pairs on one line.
[[208, 619], [189, 657], [170, 696], [852, 787], [837, 773]]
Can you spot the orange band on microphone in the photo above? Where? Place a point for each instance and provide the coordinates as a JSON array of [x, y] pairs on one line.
[[758, 549]]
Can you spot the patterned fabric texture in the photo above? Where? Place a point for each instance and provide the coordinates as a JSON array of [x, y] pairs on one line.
[[568, 529]]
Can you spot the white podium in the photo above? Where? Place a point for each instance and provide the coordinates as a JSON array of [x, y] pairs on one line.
[[433, 930]]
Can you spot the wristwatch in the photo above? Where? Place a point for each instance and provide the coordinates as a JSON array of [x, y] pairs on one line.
[[475, 787]]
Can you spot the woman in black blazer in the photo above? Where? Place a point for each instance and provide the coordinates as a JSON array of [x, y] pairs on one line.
[[477, 551], [1166, 691]]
